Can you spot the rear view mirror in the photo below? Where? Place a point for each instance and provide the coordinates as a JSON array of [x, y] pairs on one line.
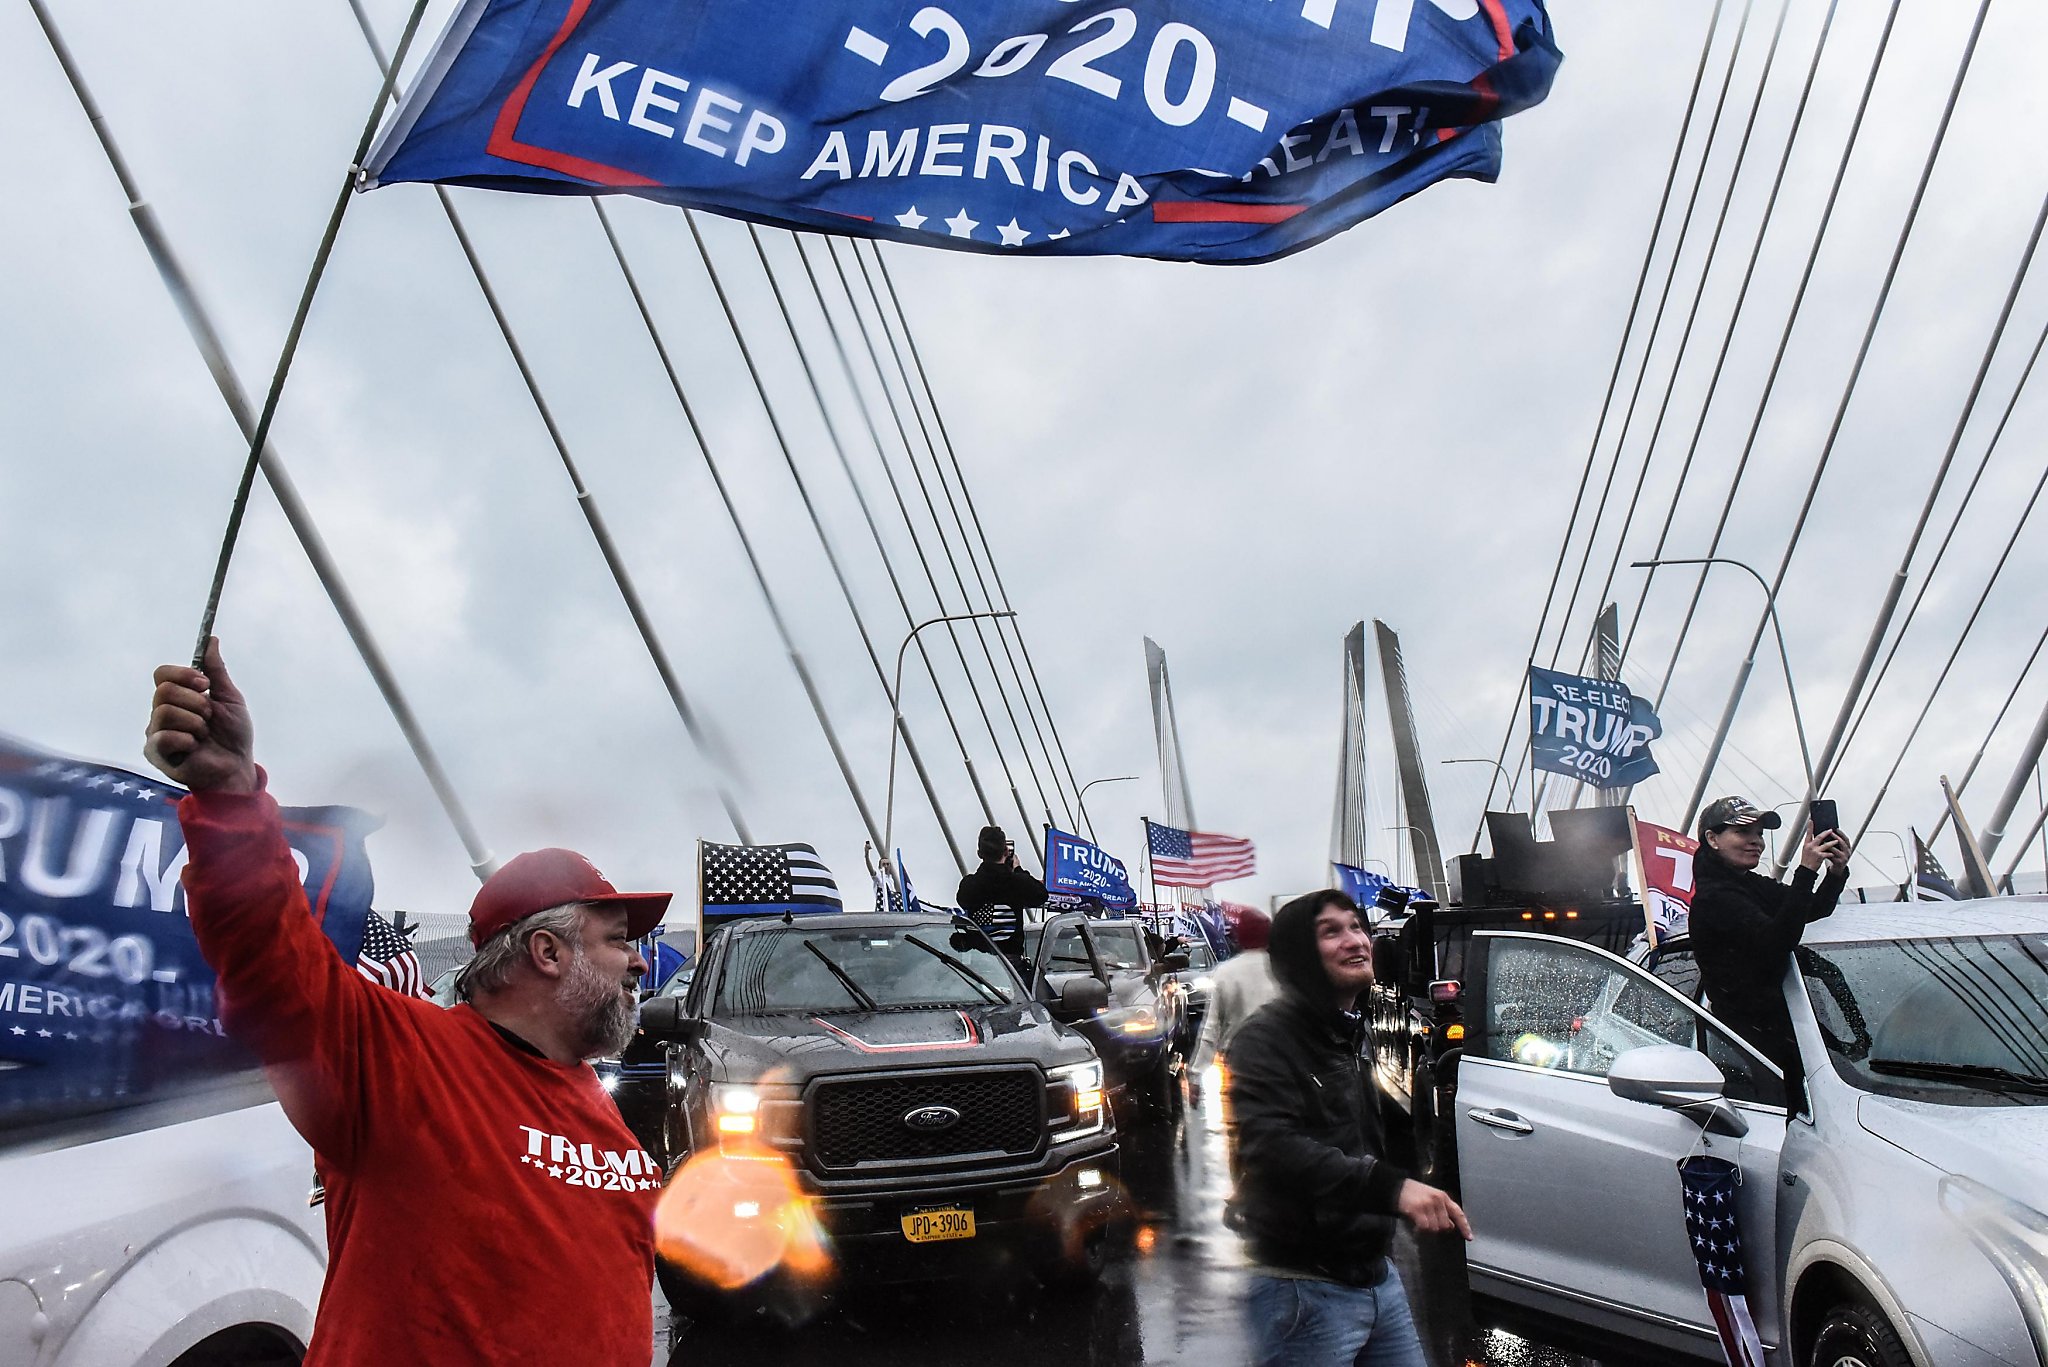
[[1081, 996], [1679, 1079]]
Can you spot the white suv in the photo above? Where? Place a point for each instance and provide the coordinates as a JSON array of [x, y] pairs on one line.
[[1900, 1219], [171, 1234]]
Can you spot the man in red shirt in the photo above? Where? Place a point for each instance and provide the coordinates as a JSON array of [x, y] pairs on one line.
[[485, 1202]]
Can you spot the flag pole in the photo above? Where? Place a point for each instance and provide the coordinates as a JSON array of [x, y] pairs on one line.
[[199, 325], [297, 329]]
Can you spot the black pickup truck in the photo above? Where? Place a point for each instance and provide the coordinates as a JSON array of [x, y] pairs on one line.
[[934, 1117]]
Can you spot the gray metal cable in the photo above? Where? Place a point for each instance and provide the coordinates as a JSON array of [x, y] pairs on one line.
[[1515, 715]]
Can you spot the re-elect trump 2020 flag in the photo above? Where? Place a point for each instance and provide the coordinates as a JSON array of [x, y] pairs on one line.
[[105, 1000], [1594, 730], [1192, 130], [1079, 867]]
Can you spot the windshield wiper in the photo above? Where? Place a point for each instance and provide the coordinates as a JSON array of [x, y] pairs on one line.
[[994, 993], [866, 1002], [1960, 1072]]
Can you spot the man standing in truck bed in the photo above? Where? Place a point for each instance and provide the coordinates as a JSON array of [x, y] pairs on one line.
[[485, 1199]]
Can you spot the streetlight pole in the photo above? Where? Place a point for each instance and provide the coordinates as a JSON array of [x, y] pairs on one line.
[[896, 724], [1742, 679], [1497, 765], [1397, 848], [1081, 798]]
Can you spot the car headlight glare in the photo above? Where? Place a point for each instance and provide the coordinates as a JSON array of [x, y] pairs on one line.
[[1085, 1082], [2015, 1238], [1131, 1020]]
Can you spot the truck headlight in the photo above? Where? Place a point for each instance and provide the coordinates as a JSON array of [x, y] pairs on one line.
[[2015, 1238], [1084, 1080], [1137, 1021], [736, 1110]]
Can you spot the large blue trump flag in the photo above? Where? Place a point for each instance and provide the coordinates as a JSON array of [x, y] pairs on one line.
[[105, 1000], [1194, 130], [1082, 869]]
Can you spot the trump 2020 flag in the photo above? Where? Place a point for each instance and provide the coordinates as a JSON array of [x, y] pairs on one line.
[[1084, 869], [105, 999], [1593, 730], [1191, 130], [1710, 1186]]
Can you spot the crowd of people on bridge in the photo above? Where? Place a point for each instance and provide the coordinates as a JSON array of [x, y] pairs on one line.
[[435, 1128]]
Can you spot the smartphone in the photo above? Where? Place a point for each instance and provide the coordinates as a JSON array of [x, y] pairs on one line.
[[1824, 817]]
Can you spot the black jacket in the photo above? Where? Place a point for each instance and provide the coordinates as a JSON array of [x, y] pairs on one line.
[[1743, 927], [996, 884], [1313, 1194]]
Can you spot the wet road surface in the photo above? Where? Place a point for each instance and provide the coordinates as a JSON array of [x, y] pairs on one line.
[[1176, 1300]]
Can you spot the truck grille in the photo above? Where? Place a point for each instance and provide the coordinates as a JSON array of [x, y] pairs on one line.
[[860, 1120]]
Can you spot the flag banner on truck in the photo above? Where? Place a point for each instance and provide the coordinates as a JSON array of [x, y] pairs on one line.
[[1189, 130], [1083, 869], [105, 1000], [1593, 730], [764, 880], [1664, 874], [1931, 882], [1711, 1186]]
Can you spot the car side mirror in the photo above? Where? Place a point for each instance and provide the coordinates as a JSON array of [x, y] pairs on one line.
[[1678, 1079], [1080, 997], [663, 1018], [1173, 963]]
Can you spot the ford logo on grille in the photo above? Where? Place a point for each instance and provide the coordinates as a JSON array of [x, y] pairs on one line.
[[930, 1118]]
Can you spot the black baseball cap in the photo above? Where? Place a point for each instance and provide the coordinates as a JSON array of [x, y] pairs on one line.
[[1724, 812]]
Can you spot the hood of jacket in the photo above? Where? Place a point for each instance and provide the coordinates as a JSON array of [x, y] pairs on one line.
[[1297, 963]]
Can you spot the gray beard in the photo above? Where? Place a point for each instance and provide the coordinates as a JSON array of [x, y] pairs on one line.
[[603, 1010]]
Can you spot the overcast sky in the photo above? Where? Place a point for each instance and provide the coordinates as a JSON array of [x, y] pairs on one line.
[[1238, 462]]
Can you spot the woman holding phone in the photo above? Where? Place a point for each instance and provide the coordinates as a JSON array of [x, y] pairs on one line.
[[1744, 926]]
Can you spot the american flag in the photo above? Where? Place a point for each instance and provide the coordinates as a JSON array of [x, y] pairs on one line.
[[1710, 1186], [765, 879], [387, 958], [1931, 881], [1196, 859]]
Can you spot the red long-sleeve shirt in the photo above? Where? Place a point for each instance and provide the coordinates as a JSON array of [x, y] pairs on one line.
[[485, 1204]]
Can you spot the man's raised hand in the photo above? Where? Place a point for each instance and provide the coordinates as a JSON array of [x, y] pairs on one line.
[[199, 731], [1431, 1211]]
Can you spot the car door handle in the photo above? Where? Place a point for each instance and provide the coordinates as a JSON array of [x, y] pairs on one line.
[[1503, 1120]]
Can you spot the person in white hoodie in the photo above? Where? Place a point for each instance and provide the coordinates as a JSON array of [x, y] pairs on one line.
[[1238, 986]]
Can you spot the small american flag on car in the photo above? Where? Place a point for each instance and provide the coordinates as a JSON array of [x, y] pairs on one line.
[[1196, 859], [1710, 1186], [387, 958]]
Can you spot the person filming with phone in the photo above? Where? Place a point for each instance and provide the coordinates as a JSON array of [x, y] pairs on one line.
[[999, 881], [1745, 926]]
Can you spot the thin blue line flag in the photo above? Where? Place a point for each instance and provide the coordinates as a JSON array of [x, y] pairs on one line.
[[1190, 130]]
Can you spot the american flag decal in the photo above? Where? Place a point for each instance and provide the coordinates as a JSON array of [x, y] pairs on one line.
[[1710, 1186]]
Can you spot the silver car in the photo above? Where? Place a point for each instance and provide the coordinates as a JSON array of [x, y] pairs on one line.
[[1896, 1220]]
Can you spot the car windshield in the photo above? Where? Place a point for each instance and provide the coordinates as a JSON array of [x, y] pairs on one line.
[[1121, 947], [891, 968], [1961, 1020]]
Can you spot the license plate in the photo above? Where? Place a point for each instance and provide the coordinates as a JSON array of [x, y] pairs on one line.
[[932, 1226]]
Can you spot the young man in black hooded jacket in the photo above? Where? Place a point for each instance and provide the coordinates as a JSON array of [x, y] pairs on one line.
[[1316, 1201]]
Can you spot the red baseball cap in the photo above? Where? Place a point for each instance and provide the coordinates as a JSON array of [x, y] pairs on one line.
[[540, 879]]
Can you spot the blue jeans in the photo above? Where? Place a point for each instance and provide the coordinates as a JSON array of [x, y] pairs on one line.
[[1296, 1323]]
